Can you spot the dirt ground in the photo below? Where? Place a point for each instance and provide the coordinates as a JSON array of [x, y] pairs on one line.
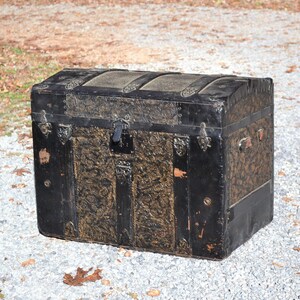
[[39, 38], [84, 35], [291, 5]]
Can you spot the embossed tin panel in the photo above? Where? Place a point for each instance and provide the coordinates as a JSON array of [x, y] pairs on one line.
[[153, 191], [249, 165], [112, 108], [95, 182], [248, 105], [115, 79], [152, 204]]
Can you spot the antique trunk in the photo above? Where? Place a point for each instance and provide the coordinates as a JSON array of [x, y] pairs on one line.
[[166, 162]]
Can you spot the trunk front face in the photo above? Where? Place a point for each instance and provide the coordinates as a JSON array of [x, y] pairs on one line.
[[125, 199], [163, 195]]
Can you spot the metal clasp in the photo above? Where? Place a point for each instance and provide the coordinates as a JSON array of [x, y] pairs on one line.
[[121, 141], [204, 141], [119, 126]]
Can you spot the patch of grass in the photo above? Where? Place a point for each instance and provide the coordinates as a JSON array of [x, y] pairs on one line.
[[19, 70], [17, 50]]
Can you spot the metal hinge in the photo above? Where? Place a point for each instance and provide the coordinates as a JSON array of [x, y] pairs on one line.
[[44, 126]]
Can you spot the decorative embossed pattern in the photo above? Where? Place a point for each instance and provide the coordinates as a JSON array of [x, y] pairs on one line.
[[95, 180], [251, 167], [153, 192], [112, 108], [152, 188], [247, 105]]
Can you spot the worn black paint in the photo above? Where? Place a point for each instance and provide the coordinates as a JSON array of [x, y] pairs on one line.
[[49, 199], [206, 181]]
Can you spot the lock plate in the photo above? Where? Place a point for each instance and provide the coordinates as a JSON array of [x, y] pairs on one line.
[[124, 145]]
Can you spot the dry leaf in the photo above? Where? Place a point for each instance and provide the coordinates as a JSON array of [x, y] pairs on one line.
[[127, 253], [26, 158], [133, 296], [28, 262], [281, 173], [296, 222], [81, 277], [153, 293], [24, 136], [21, 171], [277, 264], [296, 249], [287, 199], [105, 282], [18, 186], [291, 69]]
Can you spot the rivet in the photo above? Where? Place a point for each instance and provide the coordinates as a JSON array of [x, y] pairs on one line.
[[47, 183], [207, 201]]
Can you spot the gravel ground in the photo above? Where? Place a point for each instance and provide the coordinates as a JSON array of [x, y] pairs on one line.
[[256, 43]]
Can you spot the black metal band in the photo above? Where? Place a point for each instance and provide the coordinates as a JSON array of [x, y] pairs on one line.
[[181, 194], [123, 199], [180, 129]]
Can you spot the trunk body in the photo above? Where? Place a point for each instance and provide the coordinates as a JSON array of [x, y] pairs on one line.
[[166, 162]]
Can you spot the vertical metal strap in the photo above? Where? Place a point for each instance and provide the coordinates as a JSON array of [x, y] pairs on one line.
[[206, 198], [123, 199], [181, 194]]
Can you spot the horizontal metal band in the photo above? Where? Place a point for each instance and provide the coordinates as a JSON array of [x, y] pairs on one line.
[[86, 122], [180, 128], [110, 108], [247, 120], [255, 197]]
